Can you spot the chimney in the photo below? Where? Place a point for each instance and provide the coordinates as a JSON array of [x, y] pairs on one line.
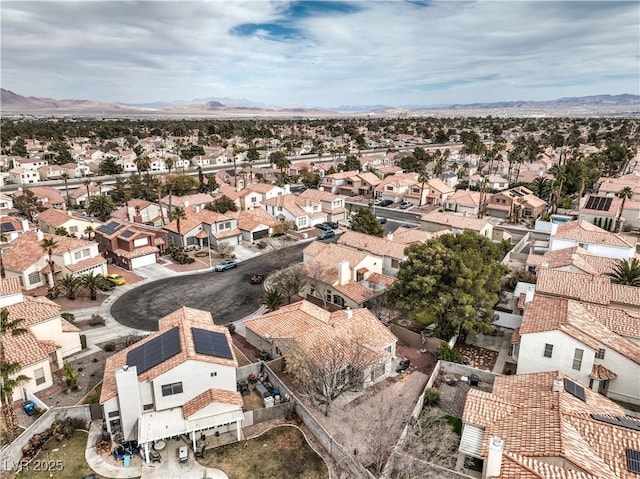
[[493, 463], [69, 213], [344, 273], [558, 385], [390, 236], [186, 204], [349, 312], [40, 235], [25, 226], [197, 208]]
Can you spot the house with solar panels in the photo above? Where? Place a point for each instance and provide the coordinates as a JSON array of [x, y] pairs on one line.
[[180, 380], [545, 425], [129, 245], [602, 211]]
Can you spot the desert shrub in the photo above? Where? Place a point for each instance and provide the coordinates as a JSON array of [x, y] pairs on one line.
[[445, 353], [232, 328], [97, 320], [261, 245], [431, 397], [69, 317], [109, 347]]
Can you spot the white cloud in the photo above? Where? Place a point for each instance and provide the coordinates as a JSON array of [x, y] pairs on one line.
[[385, 52]]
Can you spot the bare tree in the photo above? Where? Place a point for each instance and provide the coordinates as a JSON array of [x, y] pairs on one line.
[[326, 362], [288, 281], [316, 279], [382, 308], [224, 249]]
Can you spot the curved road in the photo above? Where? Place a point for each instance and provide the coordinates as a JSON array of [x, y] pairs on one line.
[[228, 294]]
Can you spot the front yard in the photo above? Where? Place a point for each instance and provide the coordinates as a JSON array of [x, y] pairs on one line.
[[281, 452]]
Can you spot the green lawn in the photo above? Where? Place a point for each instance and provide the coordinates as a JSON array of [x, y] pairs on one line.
[[281, 452], [456, 423], [59, 460]]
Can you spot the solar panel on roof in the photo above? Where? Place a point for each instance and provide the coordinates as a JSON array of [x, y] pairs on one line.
[[618, 421], [211, 343], [128, 234], [633, 460], [156, 351], [598, 203], [7, 227], [110, 227], [574, 389]]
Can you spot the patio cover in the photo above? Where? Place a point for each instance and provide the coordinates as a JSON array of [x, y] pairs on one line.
[[158, 425]]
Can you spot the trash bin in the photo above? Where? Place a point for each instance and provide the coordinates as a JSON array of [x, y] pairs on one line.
[[29, 407], [474, 380]]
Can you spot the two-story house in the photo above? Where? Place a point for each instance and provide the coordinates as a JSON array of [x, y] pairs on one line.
[[45, 196], [198, 200], [465, 202], [516, 204], [129, 245], [46, 340], [180, 380], [52, 219], [490, 182], [391, 252], [396, 187], [593, 239], [204, 228], [439, 192], [332, 205], [303, 213], [334, 182], [252, 196], [23, 176], [140, 211], [436, 221]]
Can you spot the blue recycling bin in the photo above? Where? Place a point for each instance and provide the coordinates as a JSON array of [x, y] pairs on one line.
[[29, 407]]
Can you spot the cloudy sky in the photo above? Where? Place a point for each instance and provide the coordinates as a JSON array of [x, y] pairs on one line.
[[320, 53]]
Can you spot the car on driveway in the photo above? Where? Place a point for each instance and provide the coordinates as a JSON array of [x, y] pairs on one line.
[[385, 203], [382, 220], [256, 279], [226, 264], [115, 279], [326, 235], [405, 204], [323, 226], [332, 224]]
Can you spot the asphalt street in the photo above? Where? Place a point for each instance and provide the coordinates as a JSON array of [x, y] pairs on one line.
[[228, 294]]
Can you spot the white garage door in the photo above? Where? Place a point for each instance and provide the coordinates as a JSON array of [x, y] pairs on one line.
[[143, 261]]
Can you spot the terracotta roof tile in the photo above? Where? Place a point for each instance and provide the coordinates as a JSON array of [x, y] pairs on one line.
[[25, 348], [10, 286], [208, 397], [372, 244], [584, 232], [34, 310]]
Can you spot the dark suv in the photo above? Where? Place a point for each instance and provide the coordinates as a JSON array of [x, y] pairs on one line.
[[326, 235]]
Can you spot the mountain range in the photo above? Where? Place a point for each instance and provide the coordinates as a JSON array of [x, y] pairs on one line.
[[222, 107]]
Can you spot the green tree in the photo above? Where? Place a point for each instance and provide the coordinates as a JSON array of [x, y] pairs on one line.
[[626, 272], [109, 166], [69, 285], [70, 377], [143, 163], [271, 299], [19, 148], [26, 204], [364, 221], [65, 178], [92, 282], [452, 281], [177, 215], [252, 156], [288, 281], [351, 164], [222, 205], [88, 231], [61, 231], [310, 179], [180, 184], [101, 206]]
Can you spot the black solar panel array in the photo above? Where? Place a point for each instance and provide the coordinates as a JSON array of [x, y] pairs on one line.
[[211, 343], [574, 389], [598, 203], [128, 234], [633, 460], [7, 227], [618, 421], [110, 227], [156, 351]]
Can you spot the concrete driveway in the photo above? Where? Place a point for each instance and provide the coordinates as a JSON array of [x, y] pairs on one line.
[[228, 295]]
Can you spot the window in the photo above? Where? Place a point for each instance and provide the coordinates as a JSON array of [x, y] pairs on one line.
[[339, 300], [147, 407], [395, 263], [253, 199], [389, 188], [34, 277], [548, 350], [73, 229], [170, 389], [600, 354], [114, 414], [577, 359], [38, 375]]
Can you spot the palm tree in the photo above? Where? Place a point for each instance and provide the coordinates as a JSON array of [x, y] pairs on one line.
[[168, 162], [626, 272], [87, 184], [65, 178], [423, 177], [9, 377], [92, 283], [99, 184], [70, 377], [625, 193], [3, 239], [252, 157], [47, 245], [272, 299], [70, 285], [142, 163], [178, 214], [283, 164], [88, 230], [102, 206], [61, 231]]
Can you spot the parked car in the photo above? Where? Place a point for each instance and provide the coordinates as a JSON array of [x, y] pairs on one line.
[[385, 203], [382, 220], [405, 204], [192, 247], [226, 264], [256, 279], [323, 226], [106, 285], [378, 201], [326, 235], [116, 279], [331, 224]]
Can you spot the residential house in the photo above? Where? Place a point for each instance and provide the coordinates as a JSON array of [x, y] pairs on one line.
[[338, 276], [45, 196], [26, 259], [13, 227], [130, 245], [439, 192], [204, 228], [51, 172], [335, 181], [516, 204], [395, 187], [315, 331], [198, 200], [46, 341], [545, 425], [593, 239], [6, 203], [180, 380], [81, 196], [140, 211], [252, 195], [631, 214], [385, 171], [50, 220], [490, 182], [23, 176], [602, 211], [562, 334], [437, 221], [465, 202], [255, 224], [612, 186], [391, 252], [303, 213], [407, 236], [575, 260], [33, 164], [332, 205]]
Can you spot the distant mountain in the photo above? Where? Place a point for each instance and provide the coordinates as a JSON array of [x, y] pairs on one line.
[[598, 105]]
